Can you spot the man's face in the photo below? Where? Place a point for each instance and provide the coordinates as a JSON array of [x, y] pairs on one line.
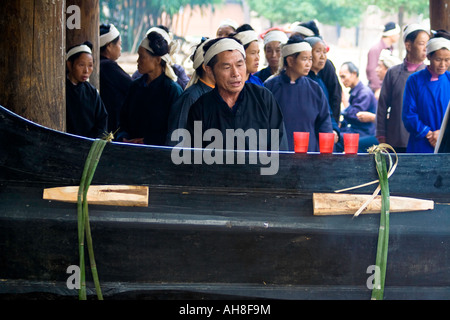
[[349, 79], [229, 72]]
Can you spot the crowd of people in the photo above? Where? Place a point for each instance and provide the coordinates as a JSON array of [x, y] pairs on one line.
[[404, 103]]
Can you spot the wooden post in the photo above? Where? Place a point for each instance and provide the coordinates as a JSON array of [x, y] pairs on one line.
[[32, 68], [440, 14], [88, 30]]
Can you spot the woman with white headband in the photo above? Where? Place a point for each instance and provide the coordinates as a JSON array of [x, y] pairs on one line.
[[85, 112], [303, 103], [180, 75], [328, 73], [426, 97], [249, 39], [273, 40], [319, 61], [200, 83], [145, 113], [390, 128], [114, 81]]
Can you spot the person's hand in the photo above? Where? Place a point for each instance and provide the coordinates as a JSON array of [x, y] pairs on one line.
[[432, 137], [135, 140], [365, 116], [336, 136], [381, 139]]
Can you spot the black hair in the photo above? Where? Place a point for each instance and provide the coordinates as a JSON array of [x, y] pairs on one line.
[[77, 55], [389, 26], [199, 70], [213, 61], [352, 67], [413, 35], [158, 44], [104, 29], [311, 25], [296, 38], [244, 27], [441, 33]]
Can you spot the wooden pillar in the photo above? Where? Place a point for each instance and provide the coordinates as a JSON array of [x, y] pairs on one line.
[[440, 14], [88, 29], [32, 68]]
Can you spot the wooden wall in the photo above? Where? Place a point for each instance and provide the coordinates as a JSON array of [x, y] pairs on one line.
[[32, 67], [440, 14]]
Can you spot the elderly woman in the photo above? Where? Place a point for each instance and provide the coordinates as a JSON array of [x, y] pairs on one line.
[[145, 113], [273, 40], [249, 39], [114, 81], [302, 101], [328, 73], [319, 60], [426, 98], [85, 111]]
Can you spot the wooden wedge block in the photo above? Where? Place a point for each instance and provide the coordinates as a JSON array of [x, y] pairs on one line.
[[110, 195], [338, 204]]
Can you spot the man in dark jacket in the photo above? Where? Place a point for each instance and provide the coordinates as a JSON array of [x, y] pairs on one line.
[[234, 104]]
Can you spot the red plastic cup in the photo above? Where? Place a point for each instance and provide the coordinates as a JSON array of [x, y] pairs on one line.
[[326, 142], [301, 142], [351, 141]]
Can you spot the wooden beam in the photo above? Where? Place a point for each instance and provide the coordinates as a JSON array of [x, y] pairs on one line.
[[440, 14], [89, 30], [114, 195], [32, 63], [339, 203]]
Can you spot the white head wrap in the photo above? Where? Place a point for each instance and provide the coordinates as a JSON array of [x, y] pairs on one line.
[[198, 61], [81, 48], [110, 36], [168, 70], [224, 44], [410, 28], [302, 30], [392, 32], [388, 59], [289, 49], [246, 36], [275, 35], [437, 44], [229, 22]]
